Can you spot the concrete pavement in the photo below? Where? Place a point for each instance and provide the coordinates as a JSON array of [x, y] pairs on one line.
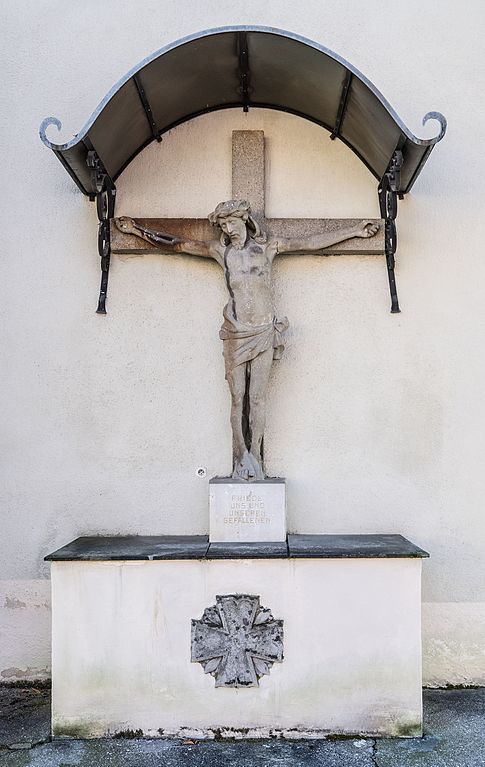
[[454, 727]]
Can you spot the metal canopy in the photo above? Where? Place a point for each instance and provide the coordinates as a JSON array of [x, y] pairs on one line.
[[242, 67]]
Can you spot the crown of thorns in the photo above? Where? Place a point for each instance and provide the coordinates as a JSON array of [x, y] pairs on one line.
[[238, 208]]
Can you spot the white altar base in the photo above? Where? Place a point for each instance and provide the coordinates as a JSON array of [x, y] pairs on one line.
[[121, 647]]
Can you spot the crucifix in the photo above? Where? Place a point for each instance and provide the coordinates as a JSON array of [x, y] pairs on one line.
[[244, 245]]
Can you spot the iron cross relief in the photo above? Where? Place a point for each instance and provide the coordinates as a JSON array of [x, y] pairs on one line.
[[239, 237]]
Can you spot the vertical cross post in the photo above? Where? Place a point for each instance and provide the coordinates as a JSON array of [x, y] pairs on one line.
[[248, 169]]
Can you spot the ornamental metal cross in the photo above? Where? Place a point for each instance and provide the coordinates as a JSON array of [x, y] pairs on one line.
[[237, 641], [248, 183]]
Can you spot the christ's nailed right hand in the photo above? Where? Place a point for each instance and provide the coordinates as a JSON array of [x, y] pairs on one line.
[[126, 225], [366, 228]]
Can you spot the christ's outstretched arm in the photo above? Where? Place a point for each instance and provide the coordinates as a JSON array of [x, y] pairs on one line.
[[319, 242], [173, 244]]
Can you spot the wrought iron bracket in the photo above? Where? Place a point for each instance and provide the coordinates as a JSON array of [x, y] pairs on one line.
[[105, 207], [388, 192]]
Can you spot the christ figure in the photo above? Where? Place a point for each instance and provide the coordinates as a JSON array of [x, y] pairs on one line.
[[251, 334]]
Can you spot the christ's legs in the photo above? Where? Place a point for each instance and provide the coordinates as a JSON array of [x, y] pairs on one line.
[[236, 379], [248, 464], [260, 370]]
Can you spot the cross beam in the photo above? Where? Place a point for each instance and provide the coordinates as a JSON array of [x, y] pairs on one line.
[[248, 183]]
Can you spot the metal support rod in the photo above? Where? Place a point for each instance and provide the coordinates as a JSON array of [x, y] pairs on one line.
[[388, 193], [343, 105], [244, 73], [147, 108], [105, 208]]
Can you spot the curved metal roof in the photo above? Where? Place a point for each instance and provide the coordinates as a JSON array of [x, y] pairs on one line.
[[242, 67]]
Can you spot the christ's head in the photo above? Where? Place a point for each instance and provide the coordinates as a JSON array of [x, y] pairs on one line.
[[234, 218]]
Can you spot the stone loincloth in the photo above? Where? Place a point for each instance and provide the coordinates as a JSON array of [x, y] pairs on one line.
[[243, 343]]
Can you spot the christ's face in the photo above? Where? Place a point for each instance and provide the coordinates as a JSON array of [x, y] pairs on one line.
[[235, 228]]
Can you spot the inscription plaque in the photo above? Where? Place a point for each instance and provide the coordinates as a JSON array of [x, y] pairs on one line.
[[242, 512]]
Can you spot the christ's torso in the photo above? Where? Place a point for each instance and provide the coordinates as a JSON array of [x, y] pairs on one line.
[[248, 278]]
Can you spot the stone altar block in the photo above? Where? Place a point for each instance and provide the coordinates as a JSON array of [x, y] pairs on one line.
[[247, 511], [178, 636]]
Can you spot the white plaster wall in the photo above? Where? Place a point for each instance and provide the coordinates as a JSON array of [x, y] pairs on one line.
[[375, 420]]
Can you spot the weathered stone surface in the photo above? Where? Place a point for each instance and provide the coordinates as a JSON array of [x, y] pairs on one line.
[[348, 546], [238, 512], [99, 547], [237, 641], [306, 227], [200, 229], [188, 228], [158, 547], [248, 550], [248, 169]]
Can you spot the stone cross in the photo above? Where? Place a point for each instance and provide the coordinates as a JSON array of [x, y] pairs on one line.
[[237, 641], [248, 183]]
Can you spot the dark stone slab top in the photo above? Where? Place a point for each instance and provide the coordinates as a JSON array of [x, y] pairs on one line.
[[157, 547], [240, 550], [232, 481], [101, 547], [351, 546]]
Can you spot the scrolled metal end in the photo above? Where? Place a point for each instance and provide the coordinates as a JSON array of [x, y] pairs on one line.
[[43, 128], [442, 121]]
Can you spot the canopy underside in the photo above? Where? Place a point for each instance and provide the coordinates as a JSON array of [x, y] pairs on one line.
[[245, 67]]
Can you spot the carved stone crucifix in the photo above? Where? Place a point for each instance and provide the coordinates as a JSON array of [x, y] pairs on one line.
[[248, 183], [248, 243]]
